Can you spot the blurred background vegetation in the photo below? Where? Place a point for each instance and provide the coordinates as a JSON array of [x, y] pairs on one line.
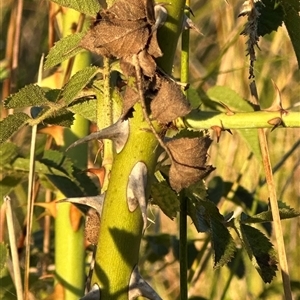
[[217, 57]]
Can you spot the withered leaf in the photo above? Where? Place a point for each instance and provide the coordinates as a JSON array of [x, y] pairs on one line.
[[131, 97], [116, 38], [147, 63], [153, 47], [125, 30], [169, 103], [133, 10], [188, 161]]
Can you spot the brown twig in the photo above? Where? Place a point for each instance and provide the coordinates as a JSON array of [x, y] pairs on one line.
[[273, 202]]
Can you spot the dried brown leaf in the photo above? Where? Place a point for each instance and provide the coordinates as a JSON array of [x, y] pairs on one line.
[[147, 63], [188, 161], [169, 103], [153, 47], [116, 38], [131, 97], [133, 10]]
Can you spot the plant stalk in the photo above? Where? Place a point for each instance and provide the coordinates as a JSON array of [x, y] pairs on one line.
[[183, 255]]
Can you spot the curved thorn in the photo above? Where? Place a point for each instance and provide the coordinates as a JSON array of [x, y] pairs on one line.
[[95, 202], [139, 287], [93, 294], [118, 133], [136, 190]]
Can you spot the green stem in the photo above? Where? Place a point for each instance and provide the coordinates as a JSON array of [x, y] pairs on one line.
[[121, 230], [69, 241], [239, 120]]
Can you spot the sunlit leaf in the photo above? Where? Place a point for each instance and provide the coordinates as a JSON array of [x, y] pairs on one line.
[[77, 82], [285, 212], [30, 95], [64, 49], [86, 108], [230, 98], [11, 125], [90, 7]]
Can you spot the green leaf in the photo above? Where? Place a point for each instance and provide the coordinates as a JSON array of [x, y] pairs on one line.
[[22, 164], [230, 98], [251, 137], [222, 243], [12, 124], [77, 83], [8, 152], [62, 117], [74, 182], [285, 212], [199, 208], [271, 16], [292, 22], [86, 108], [260, 251], [237, 104], [165, 198], [30, 95], [8, 183], [90, 7], [64, 49]]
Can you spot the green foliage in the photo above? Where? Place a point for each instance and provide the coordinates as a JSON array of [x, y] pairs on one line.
[[285, 212], [165, 198], [77, 82], [57, 172], [260, 251], [271, 16], [292, 22], [90, 7], [64, 49], [12, 124], [30, 95]]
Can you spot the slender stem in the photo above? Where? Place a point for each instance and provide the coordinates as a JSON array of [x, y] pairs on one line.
[[13, 248], [30, 203], [184, 77], [69, 237], [16, 48], [183, 249], [239, 120], [273, 203]]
